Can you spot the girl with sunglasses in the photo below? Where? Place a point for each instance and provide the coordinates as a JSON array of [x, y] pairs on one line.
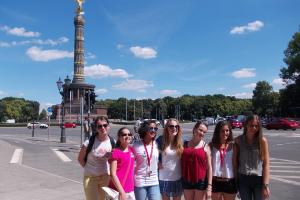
[[146, 155], [122, 166], [93, 157], [196, 166], [170, 145]]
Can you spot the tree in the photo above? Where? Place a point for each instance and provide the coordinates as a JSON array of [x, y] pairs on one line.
[[289, 96], [43, 114], [264, 100]]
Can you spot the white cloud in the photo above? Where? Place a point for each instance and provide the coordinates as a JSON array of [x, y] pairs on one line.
[[278, 81], [101, 91], [19, 31], [21, 94], [221, 89], [136, 85], [45, 105], [89, 55], [169, 92], [101, 71], [250, 27], [244, 73], [37, 54], [243, 95], [2, 93], [143, 52], [120, 46], [250, 85], [51, 42]]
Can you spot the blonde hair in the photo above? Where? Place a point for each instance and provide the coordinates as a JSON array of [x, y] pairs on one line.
[[177, 142]]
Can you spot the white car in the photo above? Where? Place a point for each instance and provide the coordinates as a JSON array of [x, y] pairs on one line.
[[31, 124], [43, 126]]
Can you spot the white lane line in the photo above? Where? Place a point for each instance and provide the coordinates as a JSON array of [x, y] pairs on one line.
[[51, 174], [280, 144], [17, 157], [292, 177], [284, 163], [286, 166], [278, 159], [285, 181], [61, 155], [285, 171]]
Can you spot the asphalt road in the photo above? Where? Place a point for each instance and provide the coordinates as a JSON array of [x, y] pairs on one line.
[[49, 169]]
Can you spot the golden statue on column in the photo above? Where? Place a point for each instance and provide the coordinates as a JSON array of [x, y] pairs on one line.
[[79, 9]]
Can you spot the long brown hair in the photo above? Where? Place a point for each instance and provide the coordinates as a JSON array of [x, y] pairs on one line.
[[258, 136], [216, 141], [177, 142]]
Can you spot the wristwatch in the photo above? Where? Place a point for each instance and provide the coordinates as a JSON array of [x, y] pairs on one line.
[[266, 185]]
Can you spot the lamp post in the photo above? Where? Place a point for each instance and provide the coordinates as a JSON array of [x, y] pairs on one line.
[[59, 84]]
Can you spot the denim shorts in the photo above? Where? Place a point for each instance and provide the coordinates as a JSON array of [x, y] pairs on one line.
[[149, 192], [250, 187], [171, 188]]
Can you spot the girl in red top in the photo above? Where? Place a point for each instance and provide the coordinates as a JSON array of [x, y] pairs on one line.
[[196, 166]]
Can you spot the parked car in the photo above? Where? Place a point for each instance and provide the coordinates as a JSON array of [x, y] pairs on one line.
[[30, 125], [235, 124], [282, 123], [43, 126], [70, 125]]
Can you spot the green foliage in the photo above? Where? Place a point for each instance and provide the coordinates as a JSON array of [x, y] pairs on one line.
[[43, 115], [289, 96], [19, 109], [265, 101]]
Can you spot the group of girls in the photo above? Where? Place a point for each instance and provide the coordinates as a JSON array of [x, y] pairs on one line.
[[166, 167]]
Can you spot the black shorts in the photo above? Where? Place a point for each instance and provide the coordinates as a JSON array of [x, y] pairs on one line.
[[200, 185], [225, 186]]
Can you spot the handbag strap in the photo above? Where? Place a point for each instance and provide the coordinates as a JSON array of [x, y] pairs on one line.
[[126, 174]]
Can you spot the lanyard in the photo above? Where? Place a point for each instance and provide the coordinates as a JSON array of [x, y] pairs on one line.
[[222, 154], [149, 157]]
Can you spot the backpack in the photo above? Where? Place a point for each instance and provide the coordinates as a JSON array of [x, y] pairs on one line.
[[91, 143]]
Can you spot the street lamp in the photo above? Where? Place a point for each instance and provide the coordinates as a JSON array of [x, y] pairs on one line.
[[59, 84]]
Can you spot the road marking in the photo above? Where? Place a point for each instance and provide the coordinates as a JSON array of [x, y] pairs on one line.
[[283, 163], [285, 181], [61, 155], [290, 161], [281, 144], [293, 177], [17, 157], [285, 171], [285, 166], [51, 174]]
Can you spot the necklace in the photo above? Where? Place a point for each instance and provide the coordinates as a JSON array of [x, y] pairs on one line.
[[148, 157]]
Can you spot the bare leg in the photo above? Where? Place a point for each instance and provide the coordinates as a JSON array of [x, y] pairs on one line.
[[200, 195], [227, 196], [165, 197], [189, 194], [216, 196]]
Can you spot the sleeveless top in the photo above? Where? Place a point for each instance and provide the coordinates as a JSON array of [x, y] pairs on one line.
[[225, 170], [193, 163], [249, 158]]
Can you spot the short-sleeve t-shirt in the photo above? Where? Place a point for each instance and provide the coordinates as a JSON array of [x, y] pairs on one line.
[[142, 177], [125, 162], [97, 163]]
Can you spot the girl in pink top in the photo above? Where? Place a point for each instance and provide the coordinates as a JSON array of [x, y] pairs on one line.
[[122, 166]]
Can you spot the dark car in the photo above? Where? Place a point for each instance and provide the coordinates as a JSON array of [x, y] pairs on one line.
[[282, 123], [235, 124], [70, 125]]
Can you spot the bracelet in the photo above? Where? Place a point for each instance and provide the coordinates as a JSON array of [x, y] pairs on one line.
[[266, 185], [209, 184]]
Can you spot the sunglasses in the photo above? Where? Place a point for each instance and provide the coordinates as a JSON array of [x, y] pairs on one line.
[[152, 129], [124, 134], [174, 126], [102, 126]]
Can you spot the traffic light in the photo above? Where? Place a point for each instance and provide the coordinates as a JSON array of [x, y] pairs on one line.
[[93, 97], [86, 98]]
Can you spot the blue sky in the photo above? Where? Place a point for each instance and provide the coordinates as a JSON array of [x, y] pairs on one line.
[[145, 49]]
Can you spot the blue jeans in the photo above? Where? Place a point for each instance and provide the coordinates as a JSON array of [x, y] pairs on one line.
[[151, 192], [250, 186]]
